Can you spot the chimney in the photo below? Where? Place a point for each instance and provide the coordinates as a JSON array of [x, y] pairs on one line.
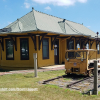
[[32, 8], [64, 20]]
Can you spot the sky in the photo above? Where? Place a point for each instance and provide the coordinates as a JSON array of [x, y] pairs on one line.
[[79, 11]]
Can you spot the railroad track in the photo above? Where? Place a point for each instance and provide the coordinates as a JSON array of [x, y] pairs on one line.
[[74, 83], [46, 81], [69, 85]]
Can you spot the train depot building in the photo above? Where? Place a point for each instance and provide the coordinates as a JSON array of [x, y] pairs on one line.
[[46, 35]]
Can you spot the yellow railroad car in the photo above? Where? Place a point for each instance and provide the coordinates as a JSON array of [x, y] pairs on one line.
[[80, 61]]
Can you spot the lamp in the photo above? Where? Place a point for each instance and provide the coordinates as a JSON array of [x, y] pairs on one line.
[[37, 34], [97, 35]]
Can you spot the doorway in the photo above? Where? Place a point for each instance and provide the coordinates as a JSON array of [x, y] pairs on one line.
[[56, 52]]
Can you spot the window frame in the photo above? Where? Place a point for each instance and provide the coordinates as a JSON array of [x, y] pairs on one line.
[[48, 49], [1, 52], [6, 50], [98, 51], [21, 51]]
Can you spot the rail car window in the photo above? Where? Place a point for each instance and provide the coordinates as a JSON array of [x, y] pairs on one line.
[[76, 55], [71, 54], [80, 55]]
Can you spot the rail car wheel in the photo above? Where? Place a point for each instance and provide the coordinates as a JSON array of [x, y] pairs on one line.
[[89, 73], [68, 73], [65, 72]]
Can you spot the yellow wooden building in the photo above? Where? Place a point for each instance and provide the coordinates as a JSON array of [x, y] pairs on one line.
[[46, 35]]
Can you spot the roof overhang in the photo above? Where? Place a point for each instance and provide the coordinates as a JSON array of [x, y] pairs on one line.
[[39, 30]]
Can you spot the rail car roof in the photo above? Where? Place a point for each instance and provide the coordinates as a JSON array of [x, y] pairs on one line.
[[82, 50]]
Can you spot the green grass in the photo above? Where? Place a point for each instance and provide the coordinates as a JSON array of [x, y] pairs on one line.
[[45, 92]]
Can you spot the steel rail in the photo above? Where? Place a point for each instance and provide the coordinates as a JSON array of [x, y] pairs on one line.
[[44, 82], [69, 85]]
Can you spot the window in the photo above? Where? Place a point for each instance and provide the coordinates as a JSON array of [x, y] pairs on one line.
[[55, 51], [87, 46], [24, 49], [45, 48], [77, 46], [81, 45], [9, 50], [98, 49], [70, 45], [84, 46], [1, 52]]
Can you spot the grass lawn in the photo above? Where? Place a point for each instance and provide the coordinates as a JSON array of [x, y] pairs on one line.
[[45, 92]]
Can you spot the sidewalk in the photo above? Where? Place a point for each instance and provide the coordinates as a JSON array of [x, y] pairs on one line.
[[42, 69]]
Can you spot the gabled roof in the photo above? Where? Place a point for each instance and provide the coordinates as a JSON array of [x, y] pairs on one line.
[[34, 21]]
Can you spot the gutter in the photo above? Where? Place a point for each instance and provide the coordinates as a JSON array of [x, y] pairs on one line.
[[18, 32], [80, 34]]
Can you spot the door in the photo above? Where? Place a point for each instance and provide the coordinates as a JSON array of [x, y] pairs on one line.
[[56, 52]]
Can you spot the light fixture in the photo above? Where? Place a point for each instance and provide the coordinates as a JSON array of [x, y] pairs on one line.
[[37, 35], [81, 59], [67, 59]]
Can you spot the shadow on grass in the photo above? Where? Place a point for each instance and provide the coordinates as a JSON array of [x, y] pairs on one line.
[[29, 76], [4, 70], [74, 76]]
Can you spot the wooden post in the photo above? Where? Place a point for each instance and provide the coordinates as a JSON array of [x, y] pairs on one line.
[[96, 55], [95, 78], [35, 64]]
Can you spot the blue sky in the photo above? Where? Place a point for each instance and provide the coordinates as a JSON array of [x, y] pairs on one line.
[[80, 11]]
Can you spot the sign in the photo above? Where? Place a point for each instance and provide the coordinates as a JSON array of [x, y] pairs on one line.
[[75, 64]]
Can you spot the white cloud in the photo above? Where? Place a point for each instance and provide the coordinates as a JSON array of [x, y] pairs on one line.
[[9, 22], [27, 5], [88, 26], [82, 1], [60, 2], [47, 8]]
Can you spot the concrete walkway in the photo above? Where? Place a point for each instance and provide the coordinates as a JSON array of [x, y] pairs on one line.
[[42, 69]]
